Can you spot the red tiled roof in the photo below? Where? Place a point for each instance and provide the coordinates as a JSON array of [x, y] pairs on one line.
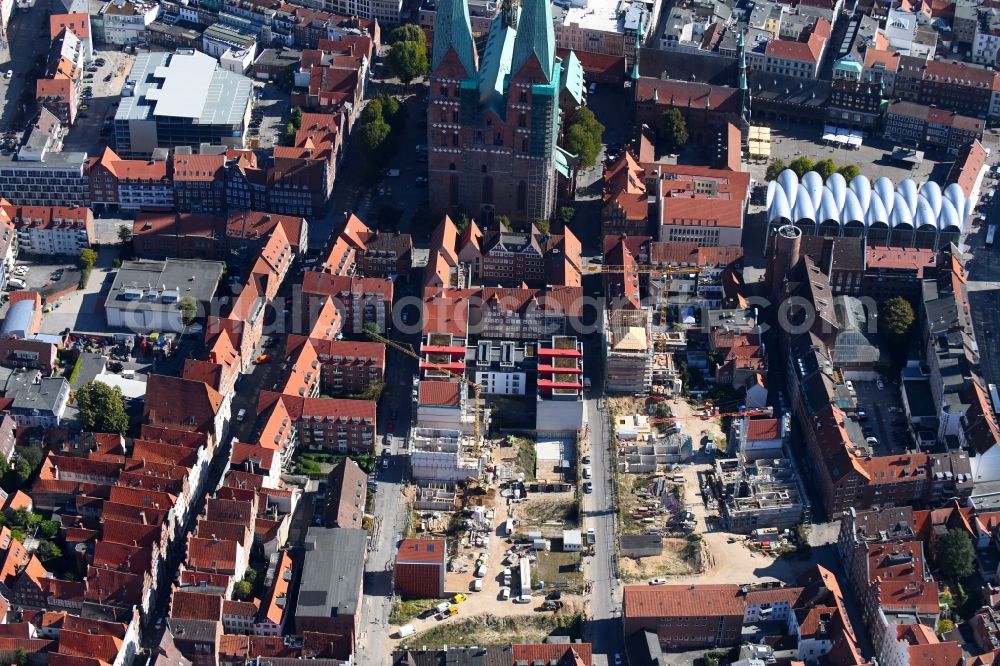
[[211, 555], [758, 429], [195, 606], [440, 393], [580, 654], [682, 601], [77, 23], [430, 551]]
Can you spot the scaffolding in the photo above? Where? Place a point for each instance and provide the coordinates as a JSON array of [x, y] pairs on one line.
[[629, 347]]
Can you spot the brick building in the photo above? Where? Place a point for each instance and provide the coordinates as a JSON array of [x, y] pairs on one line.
[[420, 568], [493, 123], [345, 367], [327, 423], [360, 300], [199, 183], [158, 235], [685, 616]]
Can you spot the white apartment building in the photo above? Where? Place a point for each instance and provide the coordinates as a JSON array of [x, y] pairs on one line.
[[46, 231], [386, 12], [125, 21]]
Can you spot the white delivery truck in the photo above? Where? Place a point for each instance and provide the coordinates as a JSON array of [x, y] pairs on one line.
[[477, 585], [407, 630]]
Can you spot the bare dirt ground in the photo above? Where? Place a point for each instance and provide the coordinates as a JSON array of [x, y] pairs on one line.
[[526, 624], [673, 562], [723, 562]]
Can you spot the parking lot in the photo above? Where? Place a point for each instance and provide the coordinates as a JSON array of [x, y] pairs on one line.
[[270, 115], [48, 277], [102, 88], [882, 417]]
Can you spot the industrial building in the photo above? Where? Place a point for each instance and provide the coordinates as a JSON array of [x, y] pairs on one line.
[[181, 99], [329, 598], [442, 455], [761, 493], [149, 296]]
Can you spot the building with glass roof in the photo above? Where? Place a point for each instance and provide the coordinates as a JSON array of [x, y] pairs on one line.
[[883, 213]]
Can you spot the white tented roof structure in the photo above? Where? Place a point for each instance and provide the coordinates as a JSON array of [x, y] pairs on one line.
[[839, 208]]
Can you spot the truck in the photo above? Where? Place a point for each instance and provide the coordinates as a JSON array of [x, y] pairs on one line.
[[477, 585], [442, 607], [407, 630]]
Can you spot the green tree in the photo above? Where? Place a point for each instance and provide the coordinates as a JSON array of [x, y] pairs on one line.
[[243, 591], [48, 551], [250, 576], [88, 258], [296, 118], [49, 528], [542, 225], [124, 233], [897, 317], [504, 222], [20, 657], [774, 169], [583, 136], [825, 168], [672, 130], [801, 165], [27, 461], [102, 408], [289, 136], [407, 32], [566, 214], [189, 309], [461, 220], [849, 171], [369, 329], [371, 141], [944, 626], [372, 112], [955, 555], [20, 517], [390, 106], [408, 61]]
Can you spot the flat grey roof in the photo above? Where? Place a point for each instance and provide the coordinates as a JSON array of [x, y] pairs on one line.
[[186, 84], [332, 572], [161, 285], [43, 396], [49, 160]]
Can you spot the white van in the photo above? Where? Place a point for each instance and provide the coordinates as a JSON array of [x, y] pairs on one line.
[[477, 585], [523, 599], [481, 571], [15, 284], [129, 374], [587, 472], [505, 593], [407, 630]]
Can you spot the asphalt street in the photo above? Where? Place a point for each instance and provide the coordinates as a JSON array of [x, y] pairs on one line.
[[26, 42], [599, 515]]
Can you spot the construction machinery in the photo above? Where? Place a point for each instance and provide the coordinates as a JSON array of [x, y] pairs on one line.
[[476, 390]]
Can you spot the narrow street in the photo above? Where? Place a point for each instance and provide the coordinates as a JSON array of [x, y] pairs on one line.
[[599, 514]]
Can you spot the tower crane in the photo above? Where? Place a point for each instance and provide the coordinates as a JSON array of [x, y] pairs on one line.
[[455, 375], [745, 412], [643, 268]]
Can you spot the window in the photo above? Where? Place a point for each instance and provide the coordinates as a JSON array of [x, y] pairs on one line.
[[522, 119], [488, 189], [522, 195]]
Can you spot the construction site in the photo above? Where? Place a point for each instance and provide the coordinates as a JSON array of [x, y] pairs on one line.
[[756, 494]]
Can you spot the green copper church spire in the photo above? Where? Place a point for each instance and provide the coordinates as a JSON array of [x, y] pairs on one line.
[[535, 36], [453, 31]]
